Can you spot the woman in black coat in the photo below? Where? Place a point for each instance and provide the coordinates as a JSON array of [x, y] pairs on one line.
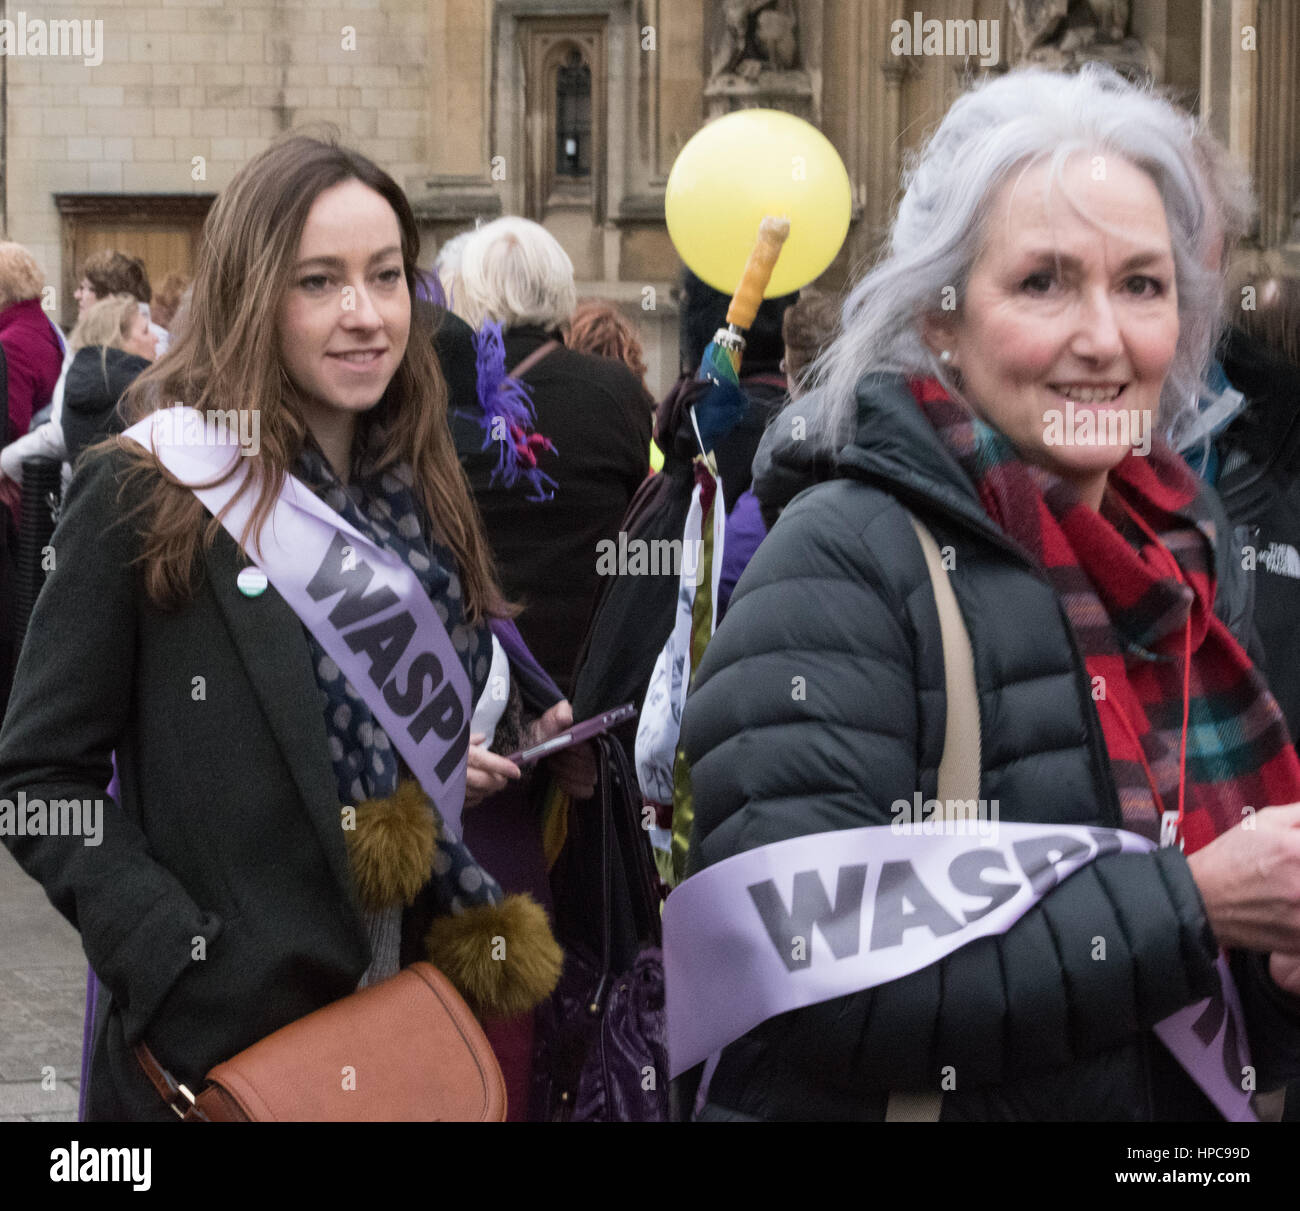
[[1022, 298], [546, 524], [633, 614], [269, 847]]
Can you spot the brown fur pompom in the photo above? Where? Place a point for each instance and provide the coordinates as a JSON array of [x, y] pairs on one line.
[[392, 847], [502, 958]]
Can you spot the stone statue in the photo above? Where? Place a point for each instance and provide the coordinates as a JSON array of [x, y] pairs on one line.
[[1067, 33], [756, 36]]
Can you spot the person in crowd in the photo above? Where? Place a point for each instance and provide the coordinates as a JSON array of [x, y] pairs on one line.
[[505, 829], [587, 452], [1273, 318], [598, 327], [1244, 438], [32, 351], [111, 346], [167, 298], [33, 354], [103, 275], [634, 614], [1093, 578], [238, 741], [445, 266], [110, 271], [807, 328]]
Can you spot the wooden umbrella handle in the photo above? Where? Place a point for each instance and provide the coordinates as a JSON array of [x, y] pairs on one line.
[[772, 233]]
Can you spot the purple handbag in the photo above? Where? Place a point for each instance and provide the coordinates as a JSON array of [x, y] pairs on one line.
[[602, 1052]]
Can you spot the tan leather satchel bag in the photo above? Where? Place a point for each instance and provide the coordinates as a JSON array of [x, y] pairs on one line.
[[405, 1050]]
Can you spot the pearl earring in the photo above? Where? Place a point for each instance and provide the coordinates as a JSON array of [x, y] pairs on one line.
[[945, 356]]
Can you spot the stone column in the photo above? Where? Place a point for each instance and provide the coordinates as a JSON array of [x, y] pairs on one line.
[[467, 173], [1278, 123], [1230, 74]]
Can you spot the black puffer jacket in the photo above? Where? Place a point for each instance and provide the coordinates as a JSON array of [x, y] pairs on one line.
[[1034, 1026]]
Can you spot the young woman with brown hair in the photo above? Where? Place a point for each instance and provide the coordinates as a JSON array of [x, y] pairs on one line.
[[271, 847]]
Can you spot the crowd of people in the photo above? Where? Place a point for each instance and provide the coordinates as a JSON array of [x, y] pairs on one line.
[[1128, 604]]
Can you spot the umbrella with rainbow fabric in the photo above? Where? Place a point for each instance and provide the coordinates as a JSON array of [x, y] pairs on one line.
[[723, 406], [753, 171], [761, 171]]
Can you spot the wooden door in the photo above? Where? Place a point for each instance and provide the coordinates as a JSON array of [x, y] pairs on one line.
[[162, 231]]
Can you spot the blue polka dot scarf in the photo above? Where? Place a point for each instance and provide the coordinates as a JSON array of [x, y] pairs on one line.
[[381, 503]]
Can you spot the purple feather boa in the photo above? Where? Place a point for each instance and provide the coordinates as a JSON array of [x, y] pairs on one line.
[[508, 399]]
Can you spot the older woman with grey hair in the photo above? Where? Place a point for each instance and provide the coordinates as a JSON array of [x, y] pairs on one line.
[[571, 470], [1041, 315]]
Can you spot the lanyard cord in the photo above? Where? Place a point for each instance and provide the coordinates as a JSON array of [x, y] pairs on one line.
[[1122, 716], [1187, 681]]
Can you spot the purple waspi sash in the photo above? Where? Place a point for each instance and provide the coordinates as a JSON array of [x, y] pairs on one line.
[[759, 934], [367, 609]]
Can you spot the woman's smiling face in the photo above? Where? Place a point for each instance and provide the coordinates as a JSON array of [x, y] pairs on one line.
[[345, 319], [1069, 323]]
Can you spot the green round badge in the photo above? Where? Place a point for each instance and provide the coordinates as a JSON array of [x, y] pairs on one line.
[[251, 582]]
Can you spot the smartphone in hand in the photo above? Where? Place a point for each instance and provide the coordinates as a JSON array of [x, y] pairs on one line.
[[579, 732]]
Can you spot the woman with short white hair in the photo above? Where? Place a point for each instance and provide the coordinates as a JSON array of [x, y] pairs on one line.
[[560, 442], [515, 272], [1003, 376]]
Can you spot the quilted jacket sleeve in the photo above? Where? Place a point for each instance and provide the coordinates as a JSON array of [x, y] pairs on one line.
[[806, 717]]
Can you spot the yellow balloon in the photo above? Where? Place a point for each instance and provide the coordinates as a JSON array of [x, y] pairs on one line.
[[748, 164]]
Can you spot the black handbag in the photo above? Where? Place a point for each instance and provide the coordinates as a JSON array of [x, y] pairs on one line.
[[601, 1052]]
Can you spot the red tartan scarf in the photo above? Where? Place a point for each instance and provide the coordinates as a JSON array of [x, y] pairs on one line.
[[1134, 622]]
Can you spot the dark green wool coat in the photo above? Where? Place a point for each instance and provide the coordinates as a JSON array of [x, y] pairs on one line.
[[227, 840]]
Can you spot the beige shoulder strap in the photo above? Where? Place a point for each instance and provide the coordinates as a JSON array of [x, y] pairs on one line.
[[959, 767]]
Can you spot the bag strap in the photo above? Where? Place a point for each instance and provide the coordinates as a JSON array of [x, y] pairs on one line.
[[533, 358], [575, 1038], [176, 1095], [633, 844], [959, 767]]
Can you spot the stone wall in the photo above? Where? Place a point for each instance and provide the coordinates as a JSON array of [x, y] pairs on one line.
[[212, 79], [434, 90]]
